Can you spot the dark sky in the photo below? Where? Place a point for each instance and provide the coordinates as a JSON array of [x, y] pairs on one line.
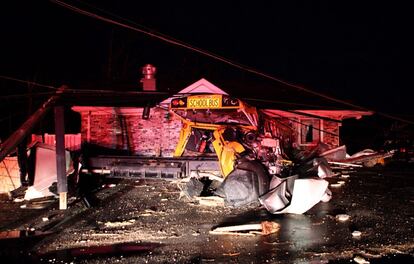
[[359, 52]]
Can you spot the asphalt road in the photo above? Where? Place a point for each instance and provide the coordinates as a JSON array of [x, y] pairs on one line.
[[146, 221]]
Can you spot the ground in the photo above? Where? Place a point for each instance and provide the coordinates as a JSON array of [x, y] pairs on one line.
[[146, 221]]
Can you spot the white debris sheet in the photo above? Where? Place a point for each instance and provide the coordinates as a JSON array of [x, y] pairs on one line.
[[45, 171], [296, 196]]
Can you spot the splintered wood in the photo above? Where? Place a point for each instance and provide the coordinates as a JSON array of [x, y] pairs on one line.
[[264, 228], [210, 201]]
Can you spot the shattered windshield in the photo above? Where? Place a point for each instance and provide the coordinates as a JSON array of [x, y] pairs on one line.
[[215, 116]]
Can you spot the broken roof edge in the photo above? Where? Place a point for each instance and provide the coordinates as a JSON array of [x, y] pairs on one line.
[[334, 115]]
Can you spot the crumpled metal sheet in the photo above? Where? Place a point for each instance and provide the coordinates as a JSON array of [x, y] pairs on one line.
[[295, 196], [45, 171]]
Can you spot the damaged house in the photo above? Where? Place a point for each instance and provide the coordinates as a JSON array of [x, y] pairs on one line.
[[187, 133], [155, 132], [203, 132]]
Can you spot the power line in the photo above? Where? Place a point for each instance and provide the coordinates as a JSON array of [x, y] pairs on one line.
[[281, 102], [220, 58], [5, 97], [132, 93], [11, 115], [28, 82], [69, 90], [78, 91], [126, 20]]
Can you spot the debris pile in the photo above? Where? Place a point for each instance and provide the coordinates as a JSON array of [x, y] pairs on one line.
[[299, 184]]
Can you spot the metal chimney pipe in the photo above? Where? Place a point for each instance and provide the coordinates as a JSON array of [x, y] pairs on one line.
[[148, 80]]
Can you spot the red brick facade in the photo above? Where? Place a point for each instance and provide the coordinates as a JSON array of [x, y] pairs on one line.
[[327, 131], [124, 128], [330, 133]]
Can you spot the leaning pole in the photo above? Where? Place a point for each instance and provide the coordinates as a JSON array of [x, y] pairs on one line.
[[26, 128]]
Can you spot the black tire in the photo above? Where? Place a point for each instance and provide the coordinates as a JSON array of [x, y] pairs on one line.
[[245, 184]]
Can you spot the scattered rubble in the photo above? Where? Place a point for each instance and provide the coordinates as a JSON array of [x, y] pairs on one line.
[[356, 233], [120, 223], [342, 217], [18, 200], [302, 184], [210, 201], [360, 260], [335, 185]]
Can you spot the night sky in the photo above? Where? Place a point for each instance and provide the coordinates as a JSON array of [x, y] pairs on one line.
[[358, 52]]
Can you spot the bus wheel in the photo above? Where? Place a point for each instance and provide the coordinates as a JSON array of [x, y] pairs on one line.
[[245, 184]]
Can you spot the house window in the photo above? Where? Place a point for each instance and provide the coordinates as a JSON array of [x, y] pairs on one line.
[[310, 131]]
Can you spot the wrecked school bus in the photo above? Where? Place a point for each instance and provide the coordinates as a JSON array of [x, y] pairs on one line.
[[222, 147], [251, 147]]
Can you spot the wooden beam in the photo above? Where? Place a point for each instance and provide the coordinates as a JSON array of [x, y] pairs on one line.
[[26, 128]]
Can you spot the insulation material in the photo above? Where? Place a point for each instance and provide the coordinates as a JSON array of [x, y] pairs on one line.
[[45, 171], [9, 174], [324, 170]]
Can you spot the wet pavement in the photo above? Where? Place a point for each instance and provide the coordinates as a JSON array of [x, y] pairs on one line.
[[146, 221]]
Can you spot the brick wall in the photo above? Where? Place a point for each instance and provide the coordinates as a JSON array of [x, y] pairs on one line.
[[124, 128], [330, 129], [333, 129]]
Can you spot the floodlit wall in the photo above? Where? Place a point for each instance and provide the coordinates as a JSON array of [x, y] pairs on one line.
[[326, 132], [9, 174], [125, 129], [331, 129]]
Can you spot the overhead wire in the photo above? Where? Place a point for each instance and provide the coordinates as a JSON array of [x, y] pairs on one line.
[[74, 90], [118, 92], [130, 93], [280, 102], [182, 44], [4, 97], [80, 91], [12, 115], [28, 82], [123, 92], [126, 20]]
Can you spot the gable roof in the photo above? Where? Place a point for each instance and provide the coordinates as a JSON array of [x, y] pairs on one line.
[[200, 86]]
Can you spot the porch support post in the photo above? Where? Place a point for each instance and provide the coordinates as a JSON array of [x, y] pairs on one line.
[[62, 185]]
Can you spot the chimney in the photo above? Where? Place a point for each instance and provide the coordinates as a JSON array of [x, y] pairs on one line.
[[148, 79]]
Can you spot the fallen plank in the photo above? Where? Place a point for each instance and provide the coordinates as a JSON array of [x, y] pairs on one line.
[[265, 228], [345, 164], [212, 232], [210, 201]]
